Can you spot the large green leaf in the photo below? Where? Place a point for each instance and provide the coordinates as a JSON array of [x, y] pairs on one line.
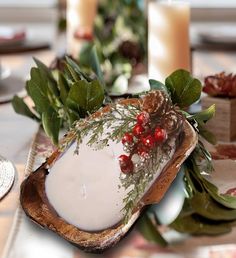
[[51, 124], [21, 108], [184, 89], [149, 231], [37, 90], [47, 75], [89, 96]]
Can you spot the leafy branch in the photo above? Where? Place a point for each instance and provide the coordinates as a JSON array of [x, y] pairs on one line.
[[60, 99]]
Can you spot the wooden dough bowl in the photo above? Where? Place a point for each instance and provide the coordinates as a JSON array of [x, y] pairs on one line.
[[37, 207]]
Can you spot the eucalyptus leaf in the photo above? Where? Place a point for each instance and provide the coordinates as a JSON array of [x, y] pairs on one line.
[[51, 124], [184, 89], [21, 108], [150, 232]]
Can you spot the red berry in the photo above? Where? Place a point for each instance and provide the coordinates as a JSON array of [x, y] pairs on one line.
[[127, 138], [142, 151], [148, 141], [143, 118], [160, 134], [138, 130], [126, 164]]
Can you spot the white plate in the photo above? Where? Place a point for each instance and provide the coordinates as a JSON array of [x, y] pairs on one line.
[[7, 175]]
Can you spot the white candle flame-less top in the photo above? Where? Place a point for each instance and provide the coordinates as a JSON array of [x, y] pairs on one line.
[[168, 38], [85, 189]]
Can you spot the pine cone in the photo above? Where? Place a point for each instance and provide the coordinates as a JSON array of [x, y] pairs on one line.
[[156, 102], [172, 121], [221, 84]]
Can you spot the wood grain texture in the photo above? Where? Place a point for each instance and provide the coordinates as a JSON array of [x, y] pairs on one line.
[[223, 125]]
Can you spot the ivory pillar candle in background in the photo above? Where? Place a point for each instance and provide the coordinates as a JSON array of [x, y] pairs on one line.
[[168, 38], [80, 21]]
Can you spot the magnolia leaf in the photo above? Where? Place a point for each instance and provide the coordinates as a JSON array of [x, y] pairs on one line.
[[21, 108], [149, 231], [184, 89], [89, 96], [51, 124], [156, 85]]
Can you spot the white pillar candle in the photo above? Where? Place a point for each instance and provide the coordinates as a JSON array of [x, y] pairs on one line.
[[168, 38], [80, 17]]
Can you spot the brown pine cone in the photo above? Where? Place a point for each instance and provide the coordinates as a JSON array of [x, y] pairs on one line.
[[172, 121], [156, 102], [221, 84]]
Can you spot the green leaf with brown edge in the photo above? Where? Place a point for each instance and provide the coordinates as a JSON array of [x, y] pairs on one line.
[[89, 96], [51, 124], [207, 207], [149, 231], [21, 108], [184, 89]]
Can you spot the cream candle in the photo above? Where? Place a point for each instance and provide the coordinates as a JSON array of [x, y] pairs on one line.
[[80, 19], [85, 189], [168, 38]]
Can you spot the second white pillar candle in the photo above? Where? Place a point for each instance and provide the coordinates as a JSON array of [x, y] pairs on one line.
[[168, 38]]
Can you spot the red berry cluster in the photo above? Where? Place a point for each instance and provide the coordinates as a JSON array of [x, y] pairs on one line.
[[140, 141]]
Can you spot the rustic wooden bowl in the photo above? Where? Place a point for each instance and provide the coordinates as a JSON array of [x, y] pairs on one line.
[[37, 207]]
